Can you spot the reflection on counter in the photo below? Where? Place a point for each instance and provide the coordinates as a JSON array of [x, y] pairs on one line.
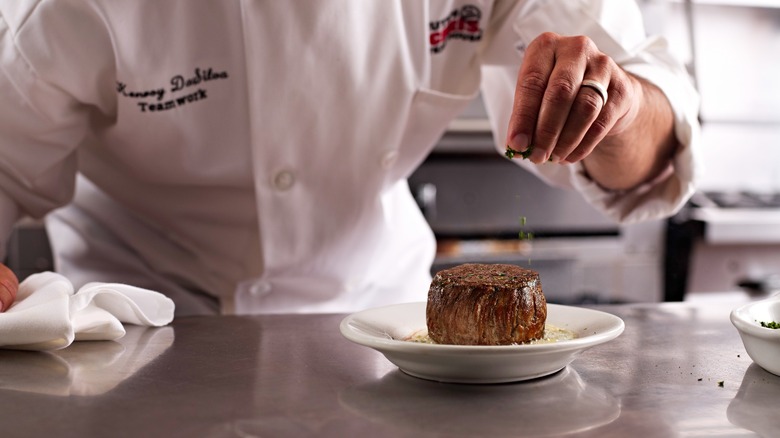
[[755, 405], [413, 405], [84, 368]]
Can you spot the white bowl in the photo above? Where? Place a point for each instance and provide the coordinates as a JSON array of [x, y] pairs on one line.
[[762, 344]]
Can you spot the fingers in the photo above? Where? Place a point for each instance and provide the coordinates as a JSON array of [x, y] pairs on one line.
[[587, 122], [563, 120], [559, 97], [529, 91], [9, 285]]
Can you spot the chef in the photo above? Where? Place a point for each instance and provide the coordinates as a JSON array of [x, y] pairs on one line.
[[252, 156]]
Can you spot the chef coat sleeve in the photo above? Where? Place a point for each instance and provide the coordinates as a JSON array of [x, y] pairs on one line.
[[616, 27], [40, 126]]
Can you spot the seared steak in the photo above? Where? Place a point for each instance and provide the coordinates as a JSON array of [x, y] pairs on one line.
[[486, 304]]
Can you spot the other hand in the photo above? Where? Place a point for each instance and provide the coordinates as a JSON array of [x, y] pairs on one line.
[[9, 285]]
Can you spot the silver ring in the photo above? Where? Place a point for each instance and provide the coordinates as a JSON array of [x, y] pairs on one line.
[[602, 90]]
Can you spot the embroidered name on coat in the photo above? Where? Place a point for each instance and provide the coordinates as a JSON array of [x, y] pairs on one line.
[[181, 90], [460, 24]]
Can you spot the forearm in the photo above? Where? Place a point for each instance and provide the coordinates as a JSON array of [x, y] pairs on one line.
[[639, 149]]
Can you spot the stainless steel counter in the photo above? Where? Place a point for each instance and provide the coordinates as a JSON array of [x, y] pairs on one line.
[[297, 376]]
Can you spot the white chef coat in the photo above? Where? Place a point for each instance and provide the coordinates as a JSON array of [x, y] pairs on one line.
[[257, 151]]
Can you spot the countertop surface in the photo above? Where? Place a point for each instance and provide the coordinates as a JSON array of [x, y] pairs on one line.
[[678, 369]]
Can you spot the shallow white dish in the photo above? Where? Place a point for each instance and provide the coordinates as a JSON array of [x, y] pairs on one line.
[[384, 329], [762, 344]]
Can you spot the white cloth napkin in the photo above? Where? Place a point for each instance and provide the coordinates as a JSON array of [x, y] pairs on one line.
[[49, 315]]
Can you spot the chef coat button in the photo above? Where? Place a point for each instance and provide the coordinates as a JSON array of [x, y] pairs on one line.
[[388, 158], [260, 288], [284, 180]]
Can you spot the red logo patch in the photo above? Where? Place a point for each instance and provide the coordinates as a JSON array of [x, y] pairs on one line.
[[462, 24]]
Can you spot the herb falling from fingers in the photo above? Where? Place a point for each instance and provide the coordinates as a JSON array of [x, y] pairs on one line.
[[525, 235]]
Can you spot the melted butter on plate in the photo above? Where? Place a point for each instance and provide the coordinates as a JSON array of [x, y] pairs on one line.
[[552, 334]]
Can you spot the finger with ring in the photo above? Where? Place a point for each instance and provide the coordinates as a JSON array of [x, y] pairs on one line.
[[602, 90]]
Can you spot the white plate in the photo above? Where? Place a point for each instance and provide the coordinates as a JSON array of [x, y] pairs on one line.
[[384, 329]]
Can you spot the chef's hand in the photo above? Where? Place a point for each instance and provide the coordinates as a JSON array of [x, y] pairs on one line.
[[624, 141], [8, 287]]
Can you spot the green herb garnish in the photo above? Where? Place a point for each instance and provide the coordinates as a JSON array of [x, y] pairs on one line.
[[523, 235], [771, 325], [510, 153]]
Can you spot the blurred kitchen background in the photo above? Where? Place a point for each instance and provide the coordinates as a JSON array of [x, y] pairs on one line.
[[726, 241]]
